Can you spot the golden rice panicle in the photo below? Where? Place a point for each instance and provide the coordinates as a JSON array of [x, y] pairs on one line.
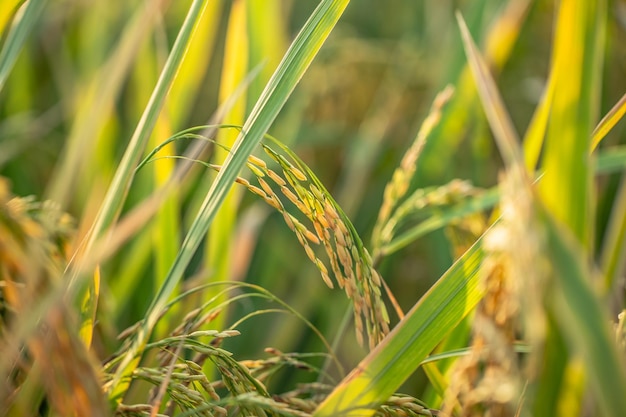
[[350, 263]]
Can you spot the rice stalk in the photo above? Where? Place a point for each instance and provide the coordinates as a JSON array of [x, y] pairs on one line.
[[444, 205], [401, 179]]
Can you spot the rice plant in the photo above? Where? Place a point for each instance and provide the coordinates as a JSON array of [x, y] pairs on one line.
[[214, 208]]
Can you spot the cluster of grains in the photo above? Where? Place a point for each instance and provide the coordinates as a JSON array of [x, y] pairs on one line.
[[262, 369], [187, 385], [33, 248], [307, 397], [397, 188], [403, 406], [490, 380], [350, 262], [240, 391], [31, 226]]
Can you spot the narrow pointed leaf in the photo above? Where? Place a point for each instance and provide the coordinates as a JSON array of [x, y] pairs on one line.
[[566, 187], [17, 36], [583, 320], [499, 119], [608, 122], [8, 8]]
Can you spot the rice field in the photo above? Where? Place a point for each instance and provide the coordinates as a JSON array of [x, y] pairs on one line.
[[312, 208]]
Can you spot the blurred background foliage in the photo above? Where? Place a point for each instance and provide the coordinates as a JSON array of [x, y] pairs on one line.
[[79, 86]]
